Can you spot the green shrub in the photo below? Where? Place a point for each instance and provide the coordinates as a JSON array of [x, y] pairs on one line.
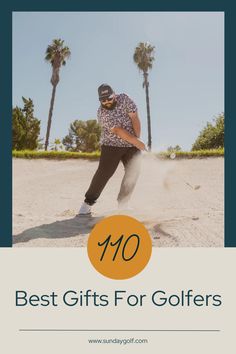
[[212, 136], [83, 136], [25, 127]]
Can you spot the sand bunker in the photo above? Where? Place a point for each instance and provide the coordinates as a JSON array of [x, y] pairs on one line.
[[181, 202]]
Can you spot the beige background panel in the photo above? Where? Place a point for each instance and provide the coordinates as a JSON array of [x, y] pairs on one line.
[[41, 271]]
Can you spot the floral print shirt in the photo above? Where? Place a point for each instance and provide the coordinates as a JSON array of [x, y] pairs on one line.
[[117, 117]]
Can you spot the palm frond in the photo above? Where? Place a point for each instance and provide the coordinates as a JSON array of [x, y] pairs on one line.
[[144, 56], [56, 53]]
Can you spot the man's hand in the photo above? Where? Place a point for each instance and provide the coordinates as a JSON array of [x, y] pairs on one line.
[[140, 145]]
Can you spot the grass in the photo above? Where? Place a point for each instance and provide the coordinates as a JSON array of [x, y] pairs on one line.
[[55, 155], [192, 154], [63, 155]]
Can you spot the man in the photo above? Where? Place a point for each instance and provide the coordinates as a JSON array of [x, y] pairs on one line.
[[120, 125]]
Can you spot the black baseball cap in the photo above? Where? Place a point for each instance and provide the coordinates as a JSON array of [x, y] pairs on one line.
[[104, 91]]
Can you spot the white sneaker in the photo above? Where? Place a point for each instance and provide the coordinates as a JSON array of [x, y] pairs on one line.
[[85, 209]]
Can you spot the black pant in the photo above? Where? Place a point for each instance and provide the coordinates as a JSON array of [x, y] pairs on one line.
[[109, 161]]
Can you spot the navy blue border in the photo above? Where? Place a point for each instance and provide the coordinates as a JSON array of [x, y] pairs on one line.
[[230, 125], [92, 5], [5, 129]]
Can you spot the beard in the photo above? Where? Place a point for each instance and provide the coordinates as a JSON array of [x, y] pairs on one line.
[[111, 106]]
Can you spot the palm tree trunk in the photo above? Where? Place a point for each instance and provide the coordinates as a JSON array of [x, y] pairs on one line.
[[146, 84], [50, 116]]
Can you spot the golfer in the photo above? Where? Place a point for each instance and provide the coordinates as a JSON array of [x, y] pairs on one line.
[[121, 128]]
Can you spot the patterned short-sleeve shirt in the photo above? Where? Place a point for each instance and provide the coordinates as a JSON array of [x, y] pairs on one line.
[[119, 117]]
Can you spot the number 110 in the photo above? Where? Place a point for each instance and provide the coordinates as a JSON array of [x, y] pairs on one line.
[[118, 243]]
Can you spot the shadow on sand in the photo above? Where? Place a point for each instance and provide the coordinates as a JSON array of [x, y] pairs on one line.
[[59, 229]]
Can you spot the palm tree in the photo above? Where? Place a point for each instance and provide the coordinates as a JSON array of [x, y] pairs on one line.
[[56, 55], [143, 57]]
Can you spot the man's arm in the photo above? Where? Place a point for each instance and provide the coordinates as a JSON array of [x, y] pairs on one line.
[[136, 123], [123, 134]]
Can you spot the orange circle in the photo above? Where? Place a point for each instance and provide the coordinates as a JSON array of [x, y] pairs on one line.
[[119, 247]]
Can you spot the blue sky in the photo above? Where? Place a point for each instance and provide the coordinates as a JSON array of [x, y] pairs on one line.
[[186, 81]]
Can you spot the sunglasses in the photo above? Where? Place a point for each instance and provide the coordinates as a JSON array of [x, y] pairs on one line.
[[109, 99]]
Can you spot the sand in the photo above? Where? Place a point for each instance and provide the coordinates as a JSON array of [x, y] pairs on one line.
[[181, 202]]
